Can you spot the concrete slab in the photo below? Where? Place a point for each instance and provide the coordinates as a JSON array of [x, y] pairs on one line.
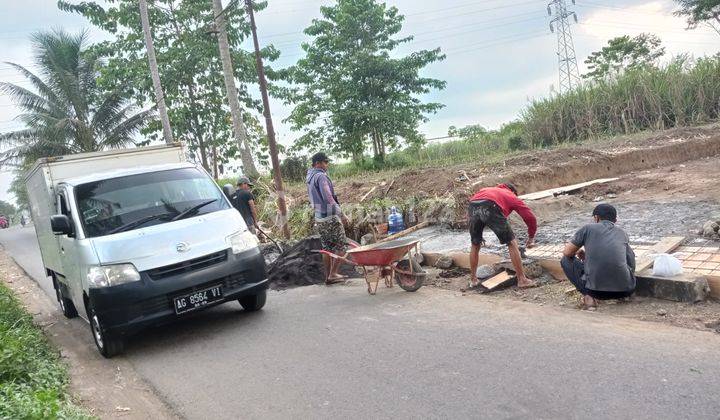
[[682, 288]]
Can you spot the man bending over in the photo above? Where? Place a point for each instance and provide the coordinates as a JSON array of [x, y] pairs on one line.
[[490, 207], [605, 269]]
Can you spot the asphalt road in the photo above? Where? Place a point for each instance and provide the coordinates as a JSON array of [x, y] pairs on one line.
[[320, 352]]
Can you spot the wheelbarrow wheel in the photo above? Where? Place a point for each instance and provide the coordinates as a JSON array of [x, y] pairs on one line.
[[410, 282]]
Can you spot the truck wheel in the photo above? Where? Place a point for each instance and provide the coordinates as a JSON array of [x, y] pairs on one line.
[[66, 305], [255, 302], [106, 344]]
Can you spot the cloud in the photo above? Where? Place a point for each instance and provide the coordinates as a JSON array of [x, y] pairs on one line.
[[598, 25]]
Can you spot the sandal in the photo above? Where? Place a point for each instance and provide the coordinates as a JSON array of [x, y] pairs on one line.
[[336, 280]]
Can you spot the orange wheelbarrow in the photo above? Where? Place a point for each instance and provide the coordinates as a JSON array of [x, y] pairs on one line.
[[387, 259]]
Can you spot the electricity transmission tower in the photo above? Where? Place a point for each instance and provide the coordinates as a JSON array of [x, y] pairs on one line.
[[567, 61]]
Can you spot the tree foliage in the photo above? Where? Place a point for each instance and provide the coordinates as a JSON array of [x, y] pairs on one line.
[[351, 90], [189, 65], [6, 208], [624, 53], [65, 111], [700, 11]]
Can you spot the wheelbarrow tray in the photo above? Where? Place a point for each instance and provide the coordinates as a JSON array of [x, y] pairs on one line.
[[381, 254]]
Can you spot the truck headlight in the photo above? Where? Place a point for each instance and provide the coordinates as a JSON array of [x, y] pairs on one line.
[[241, 241], [111, 275]]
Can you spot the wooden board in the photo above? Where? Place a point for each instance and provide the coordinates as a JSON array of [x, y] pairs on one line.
[[554, 268], [562, 190], [406, 232], [462, 259], [502, 279], [665, 246], [714, 283]]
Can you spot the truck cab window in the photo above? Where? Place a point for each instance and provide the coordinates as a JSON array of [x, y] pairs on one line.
[[134, 201]]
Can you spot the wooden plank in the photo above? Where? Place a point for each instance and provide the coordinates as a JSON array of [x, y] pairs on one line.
[[665, 246], [714, 283], [502, 279], [554, 268], [406, 232], [562, 190], [367, 194], [462, 259]]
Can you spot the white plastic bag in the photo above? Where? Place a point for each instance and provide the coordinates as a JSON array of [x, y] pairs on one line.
[[666, 265]]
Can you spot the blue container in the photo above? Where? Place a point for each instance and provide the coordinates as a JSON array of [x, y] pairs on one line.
[[395, 222]]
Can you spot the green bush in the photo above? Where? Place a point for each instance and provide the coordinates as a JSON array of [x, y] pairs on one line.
[[294, 168], [518, 143], [33, 381]]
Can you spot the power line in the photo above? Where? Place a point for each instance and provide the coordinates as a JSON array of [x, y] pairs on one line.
[[482, 25], [567, 60]]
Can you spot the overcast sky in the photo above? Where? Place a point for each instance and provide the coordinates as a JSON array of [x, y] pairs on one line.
[[500, 53]]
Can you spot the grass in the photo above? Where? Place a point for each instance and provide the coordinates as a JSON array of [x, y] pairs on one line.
[[681, 93], [33, 381]]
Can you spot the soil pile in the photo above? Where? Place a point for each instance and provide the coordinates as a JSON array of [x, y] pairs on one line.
[[299, 265]]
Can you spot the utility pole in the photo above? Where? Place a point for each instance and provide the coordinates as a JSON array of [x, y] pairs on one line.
[[155, 73], [277, 176], [567, 61], [239, 129]]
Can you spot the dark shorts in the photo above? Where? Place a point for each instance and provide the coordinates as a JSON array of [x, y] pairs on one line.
[[483, 214], [332, 235]]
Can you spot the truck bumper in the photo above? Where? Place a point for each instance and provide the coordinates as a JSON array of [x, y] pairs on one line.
[[128, 308]]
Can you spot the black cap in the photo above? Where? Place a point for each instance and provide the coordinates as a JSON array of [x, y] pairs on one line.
[[605, 212], [319, 157]]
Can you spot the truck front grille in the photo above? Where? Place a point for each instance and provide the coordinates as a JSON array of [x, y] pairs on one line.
[[188, 266]]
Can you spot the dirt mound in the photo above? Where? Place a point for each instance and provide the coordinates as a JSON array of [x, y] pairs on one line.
[[541, 169], [299, 265]]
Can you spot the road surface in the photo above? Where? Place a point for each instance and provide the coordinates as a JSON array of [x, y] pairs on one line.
[[318, 352]]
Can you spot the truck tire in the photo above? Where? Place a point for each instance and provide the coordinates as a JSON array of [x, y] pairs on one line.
[[252, 303], [107, 344], [66, 305]]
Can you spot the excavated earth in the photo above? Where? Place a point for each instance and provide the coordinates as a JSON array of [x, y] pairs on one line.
[[669, 184]]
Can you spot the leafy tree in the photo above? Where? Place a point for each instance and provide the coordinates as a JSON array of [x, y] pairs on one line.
[[17, 188], [470, 132], [6, 208], [624, 53], [189, 66], [351, 90], [700, 11], [66, 112]]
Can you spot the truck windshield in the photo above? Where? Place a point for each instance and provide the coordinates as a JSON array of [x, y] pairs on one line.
[[131, 202]]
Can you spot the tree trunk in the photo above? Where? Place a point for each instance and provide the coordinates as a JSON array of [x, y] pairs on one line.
[[155, 73], [236, 114], [215, 162]]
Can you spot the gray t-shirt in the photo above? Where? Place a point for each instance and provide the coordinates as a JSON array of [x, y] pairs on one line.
[[609, 261]]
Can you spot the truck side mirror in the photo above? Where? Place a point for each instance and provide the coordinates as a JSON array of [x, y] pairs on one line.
[[61, 225]]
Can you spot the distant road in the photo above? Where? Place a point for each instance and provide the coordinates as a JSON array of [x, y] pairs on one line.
[[337, 353], [21, 244]]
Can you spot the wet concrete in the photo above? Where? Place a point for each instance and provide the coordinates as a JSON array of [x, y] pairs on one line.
[[645, 222]]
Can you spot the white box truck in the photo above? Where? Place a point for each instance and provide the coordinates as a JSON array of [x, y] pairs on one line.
[[139, 237]]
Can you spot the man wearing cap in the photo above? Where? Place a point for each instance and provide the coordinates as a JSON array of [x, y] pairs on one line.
[[329, 218], [605, 269], [490, 208], [244, 201]]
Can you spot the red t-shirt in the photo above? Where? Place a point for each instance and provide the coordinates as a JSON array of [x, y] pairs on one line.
[[508, 202]]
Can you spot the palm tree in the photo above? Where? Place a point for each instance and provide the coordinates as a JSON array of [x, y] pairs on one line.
[[66, 112]]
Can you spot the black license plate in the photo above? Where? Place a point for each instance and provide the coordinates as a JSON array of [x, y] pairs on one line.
[[198, 299]]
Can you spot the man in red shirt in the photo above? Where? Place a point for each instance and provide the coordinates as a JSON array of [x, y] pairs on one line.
[[490, 207]]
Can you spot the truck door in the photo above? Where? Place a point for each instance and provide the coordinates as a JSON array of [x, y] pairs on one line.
[[68, 254]]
